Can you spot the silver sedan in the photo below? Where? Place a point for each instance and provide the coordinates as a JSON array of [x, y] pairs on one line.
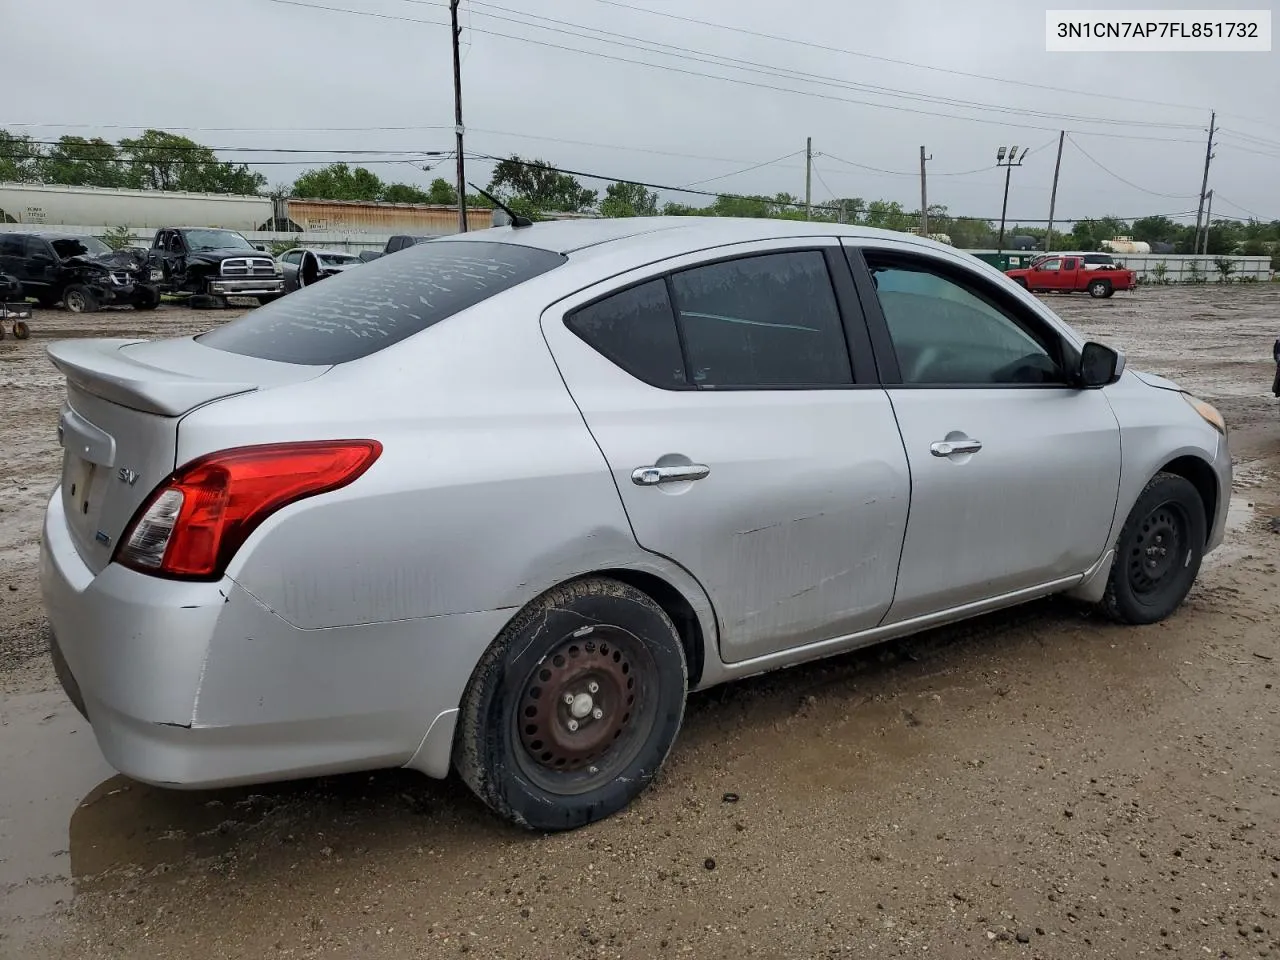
[[499, 502]]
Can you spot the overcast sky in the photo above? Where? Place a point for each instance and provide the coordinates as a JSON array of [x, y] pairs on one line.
[[271, 67]]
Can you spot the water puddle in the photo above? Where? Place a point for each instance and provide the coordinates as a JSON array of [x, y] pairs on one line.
[[1240, 511], [50, 762]]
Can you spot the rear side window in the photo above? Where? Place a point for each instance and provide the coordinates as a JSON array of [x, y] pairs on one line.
[[636, 329], [361, 311], [764, 321]]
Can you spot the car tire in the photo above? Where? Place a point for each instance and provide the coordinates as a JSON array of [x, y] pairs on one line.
[[545, 764], [1020, 282], [147, 298], [1158, 552], [1099, 289], [78, 298]]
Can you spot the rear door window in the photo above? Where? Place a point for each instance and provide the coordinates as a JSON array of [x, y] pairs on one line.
[[636, 329], [359, 312], [769, 320]]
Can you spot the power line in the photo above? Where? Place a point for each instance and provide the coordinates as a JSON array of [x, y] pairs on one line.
[[825, 185], [666, 68], [1112, 173], [1232, 203], [906, 63], [630, 41], [764, 199], [756, 166]]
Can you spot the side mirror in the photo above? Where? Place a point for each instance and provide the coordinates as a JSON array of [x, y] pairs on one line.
[[1100, 366], [261, 247]]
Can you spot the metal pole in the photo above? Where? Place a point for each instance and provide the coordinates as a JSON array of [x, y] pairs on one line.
[[924, 197], [1204, 183], [808, 174], [1053, 196], [1208, 219], [1004, 209], [457, 119]]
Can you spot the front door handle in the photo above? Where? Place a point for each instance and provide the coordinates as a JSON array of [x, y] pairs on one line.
[[947, 448], [649, 476]]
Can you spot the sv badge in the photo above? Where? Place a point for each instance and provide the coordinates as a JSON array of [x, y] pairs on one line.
[[128, 476]]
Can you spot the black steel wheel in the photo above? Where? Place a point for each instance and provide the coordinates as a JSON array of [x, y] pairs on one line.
[[78, 298], [1158, 552], [574, 708]]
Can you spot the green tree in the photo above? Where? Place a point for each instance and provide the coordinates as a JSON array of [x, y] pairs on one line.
[[404, 193], [1082, 237], [628, 200], [544, 187], [1156, 230], [19, 158], [338, 181], [165, 161], [441, 191], [78, 162]]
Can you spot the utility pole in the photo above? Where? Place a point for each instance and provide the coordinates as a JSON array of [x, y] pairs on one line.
[[808, 174], [1053, 195], [1009, 162], [1208, 219], [924, 196], [1204, 183], [457, 118]]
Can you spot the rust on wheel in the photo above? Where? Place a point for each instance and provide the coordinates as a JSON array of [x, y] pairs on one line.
[[578, 702]]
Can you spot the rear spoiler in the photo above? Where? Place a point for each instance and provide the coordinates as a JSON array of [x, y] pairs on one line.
[[102, 368]]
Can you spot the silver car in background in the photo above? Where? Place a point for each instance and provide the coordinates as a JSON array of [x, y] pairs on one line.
[[497, 503]]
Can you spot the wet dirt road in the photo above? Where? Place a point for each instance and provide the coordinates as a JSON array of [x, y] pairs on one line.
[[1037, 775]]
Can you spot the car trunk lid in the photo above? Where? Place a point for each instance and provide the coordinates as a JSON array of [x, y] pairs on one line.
[[119, 425]]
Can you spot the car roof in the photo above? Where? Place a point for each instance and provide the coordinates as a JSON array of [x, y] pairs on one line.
[[570, 236], [49, 235]]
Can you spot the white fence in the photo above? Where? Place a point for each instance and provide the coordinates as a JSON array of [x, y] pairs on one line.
[[1185, 268]]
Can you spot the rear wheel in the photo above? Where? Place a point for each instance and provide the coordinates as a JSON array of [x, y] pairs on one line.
[[1158, 552], [1099, 289], [80, 299], [572, 711]]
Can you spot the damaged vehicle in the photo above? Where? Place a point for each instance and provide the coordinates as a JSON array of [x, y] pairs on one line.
[[82, 273], [210, 264], [304, 266]]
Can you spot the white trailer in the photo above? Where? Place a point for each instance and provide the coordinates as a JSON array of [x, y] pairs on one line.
[[103, 209]]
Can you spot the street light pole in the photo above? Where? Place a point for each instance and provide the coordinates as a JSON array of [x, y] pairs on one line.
[[1008, 162]]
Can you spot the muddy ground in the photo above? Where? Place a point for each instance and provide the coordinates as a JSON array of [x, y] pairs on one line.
[[1034, 783]]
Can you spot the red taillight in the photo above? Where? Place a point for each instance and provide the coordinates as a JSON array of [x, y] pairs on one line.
[[195, 521]]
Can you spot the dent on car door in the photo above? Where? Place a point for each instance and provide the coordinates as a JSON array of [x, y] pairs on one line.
[[1014, 471], [748, 441]]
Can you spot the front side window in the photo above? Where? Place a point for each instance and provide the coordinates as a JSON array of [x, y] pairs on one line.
[[762, 321], [10, 245], [293, 256], [945, 333], [1053, 264]]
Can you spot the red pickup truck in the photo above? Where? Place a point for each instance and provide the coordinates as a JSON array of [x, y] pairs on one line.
[[1070, 275]]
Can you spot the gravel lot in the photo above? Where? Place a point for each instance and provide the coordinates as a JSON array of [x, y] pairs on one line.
[[1037, 782]]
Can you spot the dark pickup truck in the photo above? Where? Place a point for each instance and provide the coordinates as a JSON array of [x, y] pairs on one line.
[[210, 264], [81, 273]]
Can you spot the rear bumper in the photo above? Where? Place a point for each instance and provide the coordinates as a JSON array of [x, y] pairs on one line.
[[246, 288], [199, 685]]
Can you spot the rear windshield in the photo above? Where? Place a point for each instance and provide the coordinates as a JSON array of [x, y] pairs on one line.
[[359, 312]]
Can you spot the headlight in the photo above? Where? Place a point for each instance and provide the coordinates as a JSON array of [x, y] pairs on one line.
[[279, 270], [1208, 412]]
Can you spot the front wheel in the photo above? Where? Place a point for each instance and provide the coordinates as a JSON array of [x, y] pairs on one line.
[[1158, 552], [79, 299], [573, 709], [146, 298]]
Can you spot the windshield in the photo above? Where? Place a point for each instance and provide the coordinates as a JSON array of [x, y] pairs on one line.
[[66, 247], [215, 240], [337, 259], [358, 312]]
